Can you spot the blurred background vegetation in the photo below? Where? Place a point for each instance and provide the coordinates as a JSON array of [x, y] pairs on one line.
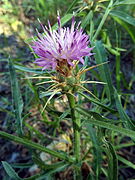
[[18, 23]]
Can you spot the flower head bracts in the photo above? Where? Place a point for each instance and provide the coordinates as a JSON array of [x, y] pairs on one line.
[[65, 45]]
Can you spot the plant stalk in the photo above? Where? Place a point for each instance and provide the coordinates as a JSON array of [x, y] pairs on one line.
[[76, 129], [108, 9]]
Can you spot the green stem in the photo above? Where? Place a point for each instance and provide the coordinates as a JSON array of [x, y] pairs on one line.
[[118, 72], [76, 129], [108, 9]]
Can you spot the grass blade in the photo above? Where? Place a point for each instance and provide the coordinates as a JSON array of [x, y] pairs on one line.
[[96, 150], [125, 2], [129, 28], [112, 161], [51, 172], [97, 102], [33, 145], [126, 162], [100, 56], [110, 126], [36, 71], [123, 16], [17, 99], [87, 19], [125, 118], [71, 6]]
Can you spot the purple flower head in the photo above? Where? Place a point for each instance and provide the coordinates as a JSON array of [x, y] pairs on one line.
[[54, 48]]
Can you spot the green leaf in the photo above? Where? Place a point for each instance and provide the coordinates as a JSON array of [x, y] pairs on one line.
[[17, 98], [22, 165], [26, 69], [33, 130], [123, 145], [110, 126], [35, 177], [125, 118], [112, 50], [112, 161], [71, 6], [103, 19], [87, 19], [10, 171], [96, 150], [48, 166], [97, 102], [100, 56], [125, 161], [129, 28], [36, 146], [124, 2], [64, 114], [123, 16], [97, 116], [45, 177], [51, 172]]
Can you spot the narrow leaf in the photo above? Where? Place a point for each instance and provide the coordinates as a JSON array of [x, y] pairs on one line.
[[100, 56], [87, 19], [22, 165], [129, 28], [124, 2], [97, 115], [125, 118], [17, 99], [96, 150], [97, 102], [51, 172], [10, 171], [103, 124], [124, 16], [71, 6], [33, 145], [125, 161], [112, 161], [26, 69]]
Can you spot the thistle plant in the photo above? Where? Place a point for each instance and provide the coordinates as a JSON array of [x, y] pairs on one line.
[[62, 50], [95, 121]]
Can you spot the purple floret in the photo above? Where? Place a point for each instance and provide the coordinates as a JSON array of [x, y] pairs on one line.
[[54, 46]]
